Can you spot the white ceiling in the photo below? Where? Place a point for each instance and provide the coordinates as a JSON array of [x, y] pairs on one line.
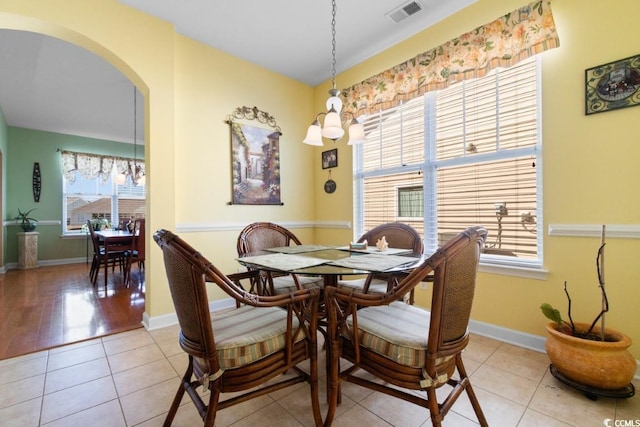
[[48, 84]]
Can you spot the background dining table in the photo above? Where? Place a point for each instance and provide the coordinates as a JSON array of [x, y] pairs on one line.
[[119, 240]]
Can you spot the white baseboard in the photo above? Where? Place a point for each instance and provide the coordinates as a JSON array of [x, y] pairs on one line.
[[157, 322], [14, 265], [510, 336]]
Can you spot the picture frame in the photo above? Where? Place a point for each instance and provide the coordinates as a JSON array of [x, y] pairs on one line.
[[612, 85], [255, 158], [330, 159]]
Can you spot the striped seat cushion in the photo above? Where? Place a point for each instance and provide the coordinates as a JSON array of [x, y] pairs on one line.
[[377, 286], [397, 331], [247, 334], [285, 284]]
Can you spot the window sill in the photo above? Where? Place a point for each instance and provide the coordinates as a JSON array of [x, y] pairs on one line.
[[524, 271], [74, 236]]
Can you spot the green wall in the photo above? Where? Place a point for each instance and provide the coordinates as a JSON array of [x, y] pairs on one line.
[[24, 148], [3, 204]]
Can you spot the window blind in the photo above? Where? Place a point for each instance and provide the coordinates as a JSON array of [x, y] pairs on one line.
[[474, 150]]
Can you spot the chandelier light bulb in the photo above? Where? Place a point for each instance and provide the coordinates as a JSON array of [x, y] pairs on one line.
[[332, 128], [314, 134], [356, 133]]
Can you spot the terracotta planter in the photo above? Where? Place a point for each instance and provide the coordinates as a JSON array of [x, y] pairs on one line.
[[604, 365]]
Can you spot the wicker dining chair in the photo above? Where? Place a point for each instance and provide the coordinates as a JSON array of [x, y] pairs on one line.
[[243, 351], [409, 348], [136, 253], [108, 255], [259, 236], [398, 235]]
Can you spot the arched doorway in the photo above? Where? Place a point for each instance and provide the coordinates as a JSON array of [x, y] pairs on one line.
[[142, 120]]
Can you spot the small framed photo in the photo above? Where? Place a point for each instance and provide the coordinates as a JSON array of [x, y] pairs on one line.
[[330, 159], [613, 85]]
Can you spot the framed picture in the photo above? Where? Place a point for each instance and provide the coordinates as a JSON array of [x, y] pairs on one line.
[[255, 165], [255, 158], [330, 159], [613, 85]]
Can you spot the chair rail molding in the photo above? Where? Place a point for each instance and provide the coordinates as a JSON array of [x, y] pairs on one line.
[[622, 231], [198, 227]]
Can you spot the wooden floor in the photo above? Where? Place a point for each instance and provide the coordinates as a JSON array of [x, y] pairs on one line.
[[50, 306]]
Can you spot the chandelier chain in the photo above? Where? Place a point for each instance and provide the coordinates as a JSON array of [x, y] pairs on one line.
[[333, 43], [135, 128]]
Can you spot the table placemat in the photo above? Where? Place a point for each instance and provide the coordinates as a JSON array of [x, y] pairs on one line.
[[283, 262], [374, 250], [298, 249], [374, 262]]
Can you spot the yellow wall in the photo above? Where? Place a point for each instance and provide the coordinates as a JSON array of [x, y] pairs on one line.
[[189, 90], [590, 162], [590, 168]]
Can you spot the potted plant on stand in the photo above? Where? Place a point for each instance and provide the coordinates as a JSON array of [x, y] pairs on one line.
[[590, 357], [26, 222]]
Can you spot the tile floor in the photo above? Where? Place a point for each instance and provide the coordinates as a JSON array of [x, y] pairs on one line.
[[129, 379]]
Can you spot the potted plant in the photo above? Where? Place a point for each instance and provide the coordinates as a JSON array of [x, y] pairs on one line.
[[97, 224], [26, 222], [591, 357]]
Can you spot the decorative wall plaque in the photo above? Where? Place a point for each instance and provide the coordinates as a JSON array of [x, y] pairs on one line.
[[37, 182]]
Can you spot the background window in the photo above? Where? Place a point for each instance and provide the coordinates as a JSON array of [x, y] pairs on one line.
[[88, 199]]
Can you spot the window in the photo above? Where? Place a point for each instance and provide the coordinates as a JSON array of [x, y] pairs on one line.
[[465, 155], [410, 202], [90, 199]]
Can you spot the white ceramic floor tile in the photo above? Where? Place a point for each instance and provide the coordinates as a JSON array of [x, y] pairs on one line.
[[76, 399], [21, 390], [23, 369], [76, 374], [135, 383], [107, 414], [78, 355], [24, 414]]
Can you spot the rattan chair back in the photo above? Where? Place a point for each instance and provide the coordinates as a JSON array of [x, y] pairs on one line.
[[188, 273]]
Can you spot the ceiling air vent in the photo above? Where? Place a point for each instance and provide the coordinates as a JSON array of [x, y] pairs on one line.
[[404, 11]]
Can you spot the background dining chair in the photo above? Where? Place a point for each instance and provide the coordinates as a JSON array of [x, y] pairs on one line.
[[398, 235], [241, 349], [136, 252], [108, 255], [259, 236], [407, 347]]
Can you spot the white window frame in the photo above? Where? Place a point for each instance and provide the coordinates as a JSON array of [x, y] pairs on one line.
[[116, 190], [531, 268]]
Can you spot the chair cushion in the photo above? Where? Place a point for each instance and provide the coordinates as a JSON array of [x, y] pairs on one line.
[[248, 333], [397, 331], [377, 286], [285, 284]]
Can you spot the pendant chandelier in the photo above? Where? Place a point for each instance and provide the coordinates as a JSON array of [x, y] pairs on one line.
[[333, 121], [134, 171]]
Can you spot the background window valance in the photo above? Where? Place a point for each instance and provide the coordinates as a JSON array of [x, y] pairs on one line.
[[92, 166], [504, 42]]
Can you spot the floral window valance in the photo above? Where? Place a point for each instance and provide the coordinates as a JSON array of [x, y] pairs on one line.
[[92, 166], [506, 41]]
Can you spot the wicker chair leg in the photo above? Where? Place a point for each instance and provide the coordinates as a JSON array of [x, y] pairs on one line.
[[333, 381], [212, 408], [472, 395], [184, 383]]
